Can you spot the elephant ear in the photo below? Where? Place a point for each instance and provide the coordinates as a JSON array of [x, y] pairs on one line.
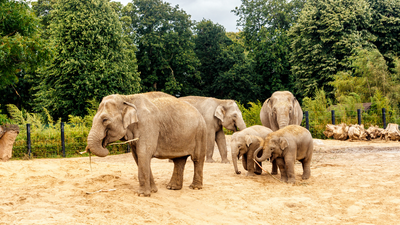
[[220, 113], [130, 115], [283, 143], [249, 140], [297, 113]]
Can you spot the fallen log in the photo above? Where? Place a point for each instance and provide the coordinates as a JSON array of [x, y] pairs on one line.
[[374, 132]]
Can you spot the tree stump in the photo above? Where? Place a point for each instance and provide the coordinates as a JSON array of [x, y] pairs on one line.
[[357, 132], [374, 132], [391, 132], [338, 132], [8, 133]]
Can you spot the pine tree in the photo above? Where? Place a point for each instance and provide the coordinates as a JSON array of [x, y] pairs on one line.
[[92, 58]]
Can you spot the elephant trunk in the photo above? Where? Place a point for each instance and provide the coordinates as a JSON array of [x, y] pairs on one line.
[[235, 158], [241, 124], [264, 156], [95, 141]]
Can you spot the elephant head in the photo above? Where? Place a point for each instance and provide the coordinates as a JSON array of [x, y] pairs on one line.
[[280, 110], [110, 123], [230, 115], [272, 145], [243, 146]]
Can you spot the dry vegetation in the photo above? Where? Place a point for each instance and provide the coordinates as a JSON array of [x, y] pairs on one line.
[[351, 183]]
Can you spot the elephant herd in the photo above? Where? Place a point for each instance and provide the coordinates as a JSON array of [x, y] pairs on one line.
[[159, 125]]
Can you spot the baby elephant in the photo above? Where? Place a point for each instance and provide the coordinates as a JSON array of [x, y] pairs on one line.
[[287, 145]]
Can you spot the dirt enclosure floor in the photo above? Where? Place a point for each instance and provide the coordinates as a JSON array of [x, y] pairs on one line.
[[351, 183]]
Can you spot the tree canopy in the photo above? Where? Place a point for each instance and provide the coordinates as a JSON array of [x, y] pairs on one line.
[[91, 59]]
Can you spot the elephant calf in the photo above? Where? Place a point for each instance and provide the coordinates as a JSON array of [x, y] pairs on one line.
[[287, 145], [244, 143]]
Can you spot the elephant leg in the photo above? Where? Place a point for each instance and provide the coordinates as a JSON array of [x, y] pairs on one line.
[[210, 147], [244, 161], [153, 186], [250, 165], [221, 143], [274, 168], [281, 165], [198, 174], [289, 167], [144, 175], [176, 181], [306, 163], [257, 169]]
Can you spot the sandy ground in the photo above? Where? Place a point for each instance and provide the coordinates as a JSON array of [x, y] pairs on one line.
[[351, 183]]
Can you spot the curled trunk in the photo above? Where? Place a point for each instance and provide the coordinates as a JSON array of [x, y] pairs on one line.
[[95, 141], [264, 156]]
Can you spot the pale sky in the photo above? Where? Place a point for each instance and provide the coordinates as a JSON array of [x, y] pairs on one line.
[[218, 11]]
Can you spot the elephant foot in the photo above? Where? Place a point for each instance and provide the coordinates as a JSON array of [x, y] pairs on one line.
[[258, 172], [196, 186], [305, 177], [171, 186], [154, 189], [143, 193], [210, 160], [250, 174], [291, 181], [225, 161], [274, 173]]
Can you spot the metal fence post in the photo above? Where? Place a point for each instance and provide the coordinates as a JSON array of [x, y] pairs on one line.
[[333, 117], [62, 139], [307, 121], [384, 117], [128, 149], [28, 138], [359, 116]]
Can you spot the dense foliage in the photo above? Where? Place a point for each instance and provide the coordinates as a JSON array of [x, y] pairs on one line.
[[91, 58]]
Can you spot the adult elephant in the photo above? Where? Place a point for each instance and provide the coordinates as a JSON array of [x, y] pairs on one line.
[[218, 114], [280, 110], [166, 128], [244, 143]]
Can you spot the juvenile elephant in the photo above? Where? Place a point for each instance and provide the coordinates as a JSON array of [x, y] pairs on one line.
[[166, 128], [217, 113], [287, 145], [244, 143], [280, 110]]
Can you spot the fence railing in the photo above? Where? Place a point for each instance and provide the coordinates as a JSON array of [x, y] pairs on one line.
[[58, 140], [315, 122]]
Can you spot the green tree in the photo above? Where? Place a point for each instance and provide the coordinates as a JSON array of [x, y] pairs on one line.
[[92, 58], [22, 51], [225, 71], [326, 35], [163, 37], [385, 25], [21, 48]]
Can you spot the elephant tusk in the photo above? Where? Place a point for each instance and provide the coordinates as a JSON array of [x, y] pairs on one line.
[[121, 143]]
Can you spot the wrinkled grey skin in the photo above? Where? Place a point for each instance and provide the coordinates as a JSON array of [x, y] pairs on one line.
[[280, 110], [285, 146], [244, 143], [217, 113], [167, 128]]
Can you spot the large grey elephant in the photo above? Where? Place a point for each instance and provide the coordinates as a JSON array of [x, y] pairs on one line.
[[217, 113], [280, 110], [166, 128], [244, 143]]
